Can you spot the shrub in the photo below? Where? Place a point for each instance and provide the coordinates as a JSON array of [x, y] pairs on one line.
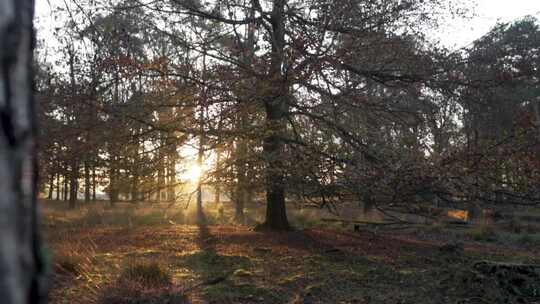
[[148, 274], [151, 218], [92, 217], [484, 233], [131, 293], [178, 217], [529, 239]]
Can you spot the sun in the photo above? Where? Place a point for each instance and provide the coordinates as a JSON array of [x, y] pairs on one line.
[[193, 173]]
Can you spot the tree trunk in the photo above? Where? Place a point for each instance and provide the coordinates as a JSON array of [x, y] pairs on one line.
[[276, 109], [51, 188], [74, 174], [73, 184], [66, 188], [94, 183], [241, 180], [113, 181], [135, 181], [134, 188], [160, 173], [57, 186], [171, 174], [21, 262], [200, 213], [217, 187], [240, 196], [87, 184]]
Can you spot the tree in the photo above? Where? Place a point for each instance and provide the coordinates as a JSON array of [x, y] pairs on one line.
[[21, 279], [500, 103]]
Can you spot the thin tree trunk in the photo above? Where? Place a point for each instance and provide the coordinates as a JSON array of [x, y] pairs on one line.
[[113, 191], [58, 186], [73, 184], [74, 174], [21, 262], [161, 172], [61, 188], [171, 173], [66, 188], [135, 171], [217, 187], [241, 191], [94, 183], [51, 188], [200, 213], [87, 184], [240, 197]]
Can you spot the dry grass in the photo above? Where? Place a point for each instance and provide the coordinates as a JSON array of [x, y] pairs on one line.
[[146, 273], [150, 259]]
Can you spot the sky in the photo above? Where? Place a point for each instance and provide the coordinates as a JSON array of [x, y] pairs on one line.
[[455, 34], [488, 12]]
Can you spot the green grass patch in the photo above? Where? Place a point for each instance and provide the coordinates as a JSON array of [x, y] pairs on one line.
[[209, 265]]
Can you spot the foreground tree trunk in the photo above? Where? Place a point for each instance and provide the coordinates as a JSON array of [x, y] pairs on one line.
[[276, 109], [20, 253]]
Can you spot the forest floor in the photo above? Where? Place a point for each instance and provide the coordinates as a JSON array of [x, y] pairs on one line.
[[141, 261]]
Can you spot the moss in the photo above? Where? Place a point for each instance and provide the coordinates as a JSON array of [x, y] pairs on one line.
[[210, 265], [132, 294], [242, 293]]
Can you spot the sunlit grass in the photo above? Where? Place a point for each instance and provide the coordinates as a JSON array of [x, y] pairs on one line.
[[148, 274]]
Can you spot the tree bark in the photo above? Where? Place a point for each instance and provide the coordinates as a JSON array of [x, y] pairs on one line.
[[86, 181], [73, 184], [113, 181], [65, 189], [200, 155], [51, 187], [74, 173], [160, 172], [94, 182], [217, 187], [276, 109], [241, 179], [21, 264], [57, 186]]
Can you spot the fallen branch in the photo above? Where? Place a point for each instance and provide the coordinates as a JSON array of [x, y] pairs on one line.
[[367, 222]]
